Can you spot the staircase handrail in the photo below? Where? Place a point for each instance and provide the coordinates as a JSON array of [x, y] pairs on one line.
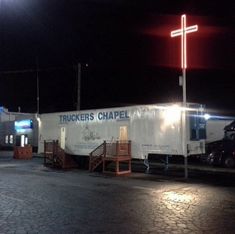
[[99, 147], [113, 149]]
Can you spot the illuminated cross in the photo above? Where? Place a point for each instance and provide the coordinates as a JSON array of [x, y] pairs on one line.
[[182, 32]]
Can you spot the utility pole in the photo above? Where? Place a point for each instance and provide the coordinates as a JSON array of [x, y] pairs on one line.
[[38, 100], [79, 72], [183, 31]]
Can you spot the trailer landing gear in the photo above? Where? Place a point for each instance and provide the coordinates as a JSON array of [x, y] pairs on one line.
[[146, 163], [163, 159]]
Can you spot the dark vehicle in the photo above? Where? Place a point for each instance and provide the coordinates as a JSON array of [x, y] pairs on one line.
[[229, 131], [222, 153]]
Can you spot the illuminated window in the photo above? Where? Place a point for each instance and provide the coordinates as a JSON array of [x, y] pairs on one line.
[[26, 140], [22, 140], [11, 139], [6, 139]]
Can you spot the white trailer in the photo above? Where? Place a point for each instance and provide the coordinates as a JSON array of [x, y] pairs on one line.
[[153, 129]]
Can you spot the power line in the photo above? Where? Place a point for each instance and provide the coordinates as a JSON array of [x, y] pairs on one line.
[[23, 71]]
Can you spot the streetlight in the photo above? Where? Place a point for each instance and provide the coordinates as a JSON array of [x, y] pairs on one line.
[[79, 74]]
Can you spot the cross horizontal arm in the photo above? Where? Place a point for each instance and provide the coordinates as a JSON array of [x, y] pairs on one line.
[[176, 33], [190, 29], [179, 32]]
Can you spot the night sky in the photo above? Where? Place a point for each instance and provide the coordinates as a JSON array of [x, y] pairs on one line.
[[125, 49]]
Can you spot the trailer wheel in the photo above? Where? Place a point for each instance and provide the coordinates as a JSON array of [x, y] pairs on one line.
[[229, 162], [210, 158]]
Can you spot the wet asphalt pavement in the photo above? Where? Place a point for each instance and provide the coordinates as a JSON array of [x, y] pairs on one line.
[[36, 199]]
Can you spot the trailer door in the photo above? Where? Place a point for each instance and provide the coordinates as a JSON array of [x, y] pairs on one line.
[[123, 133], [62, 137]]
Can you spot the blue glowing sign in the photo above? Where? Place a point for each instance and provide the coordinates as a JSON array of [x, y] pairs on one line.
[[23, 125]]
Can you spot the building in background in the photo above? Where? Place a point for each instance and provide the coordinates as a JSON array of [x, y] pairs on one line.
[[18, 129]]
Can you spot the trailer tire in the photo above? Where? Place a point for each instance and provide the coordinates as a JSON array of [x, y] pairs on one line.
[[210, 159], [229, 162]]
